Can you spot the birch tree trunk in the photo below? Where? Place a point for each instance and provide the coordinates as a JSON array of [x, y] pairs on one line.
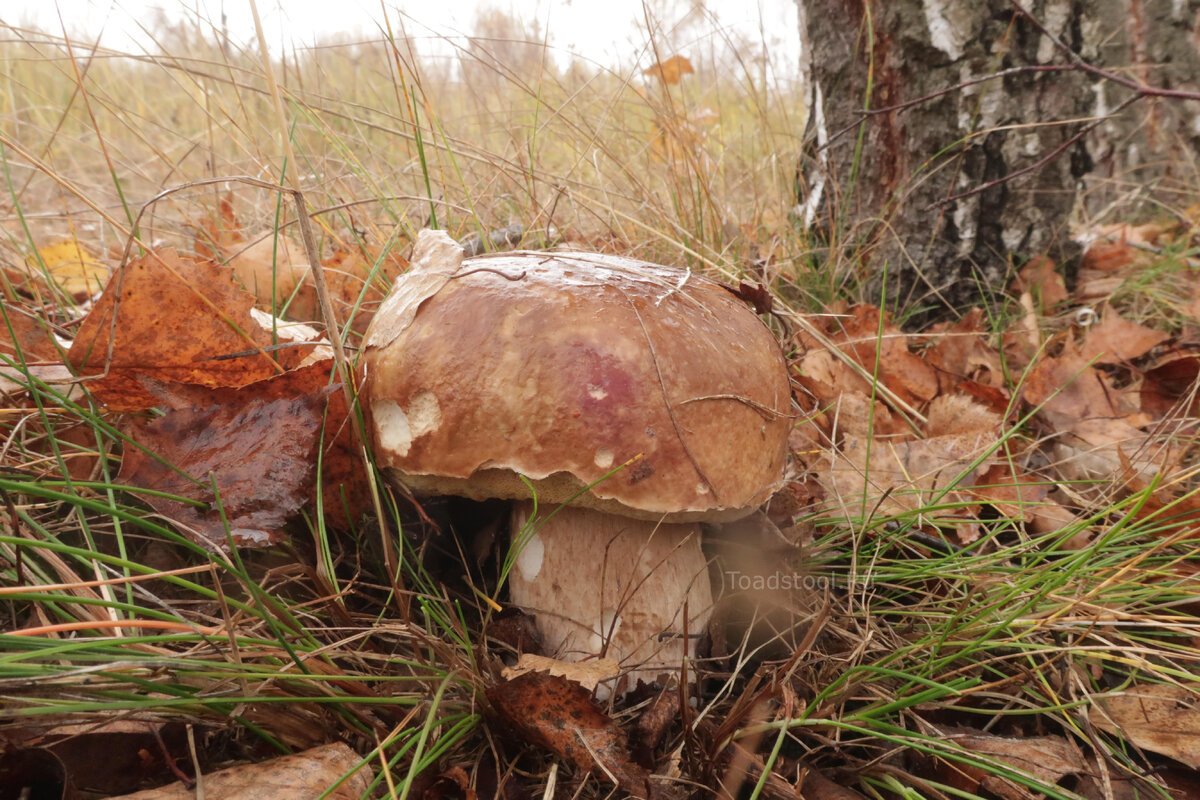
[[891, 187]]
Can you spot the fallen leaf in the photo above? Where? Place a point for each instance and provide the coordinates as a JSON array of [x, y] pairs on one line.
[[672, 70], [35, 773], [357, 283], [872, 341], [258, 444], [1107, 257], [312, 773], [558, 715], [1017, 497], [119, 756], [453, 784], [1167, 383], [1066, 389], [1115, 340], [1161, 718], [894, 475], [178, 320], [20, 329], [270, 268], [276, 270], [66, 264], [1192, 309], [1174, 512], [587, 674], [755, 294], [1096, 287], [1047, 758], [960, 352], [1039, 278]]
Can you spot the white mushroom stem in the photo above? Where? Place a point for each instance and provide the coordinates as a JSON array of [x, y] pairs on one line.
[[605, 585]]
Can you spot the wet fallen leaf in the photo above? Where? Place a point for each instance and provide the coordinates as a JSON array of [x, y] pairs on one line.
[[258, 444], [557, 714], [178, 320], [311, 773], [1158, 717]]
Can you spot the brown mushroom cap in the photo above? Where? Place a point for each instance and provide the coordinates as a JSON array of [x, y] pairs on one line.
[[561, 367]]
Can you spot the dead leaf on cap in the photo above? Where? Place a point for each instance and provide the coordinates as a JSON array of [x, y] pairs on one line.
[[1161, 718], [557, 714], [587, 674], [257, 443], [178, 320]]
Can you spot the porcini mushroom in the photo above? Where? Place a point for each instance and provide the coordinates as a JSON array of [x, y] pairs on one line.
[[649, 398]]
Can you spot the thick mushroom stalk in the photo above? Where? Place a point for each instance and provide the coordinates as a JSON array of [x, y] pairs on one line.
[[632, 590], [526, 375]]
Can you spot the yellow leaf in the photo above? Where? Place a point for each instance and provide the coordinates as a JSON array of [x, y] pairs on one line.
[[671, 70], [71, 268]]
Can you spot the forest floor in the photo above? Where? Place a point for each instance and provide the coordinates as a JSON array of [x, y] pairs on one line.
[[978, 579]]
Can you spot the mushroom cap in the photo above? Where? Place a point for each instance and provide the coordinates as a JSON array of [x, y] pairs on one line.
[[489, 377]]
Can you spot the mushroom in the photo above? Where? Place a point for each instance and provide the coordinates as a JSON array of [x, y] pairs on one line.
[[645, 399]]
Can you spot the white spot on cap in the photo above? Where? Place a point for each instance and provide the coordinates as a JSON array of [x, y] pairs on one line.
[[424, 413], [701, 488], [596, 392], [395, 434], [604, 458], [399, 428], [529, 562]]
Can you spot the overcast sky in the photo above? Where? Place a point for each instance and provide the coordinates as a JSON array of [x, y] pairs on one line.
[[607, 31]]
